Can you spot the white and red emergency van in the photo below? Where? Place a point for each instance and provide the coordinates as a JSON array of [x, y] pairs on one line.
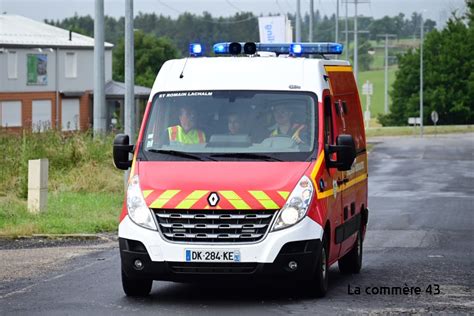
[[249, 164]]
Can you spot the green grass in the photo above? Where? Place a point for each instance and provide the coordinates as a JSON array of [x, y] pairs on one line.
[[67, 213], [85, 189], [409, 130], [377, 78]]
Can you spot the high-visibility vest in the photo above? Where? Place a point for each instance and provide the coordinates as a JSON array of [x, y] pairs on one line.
[[177, 134], [294, 131]]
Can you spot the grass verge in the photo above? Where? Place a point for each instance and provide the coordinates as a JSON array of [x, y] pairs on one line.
[[85, 189], [67, 213], [409, 130]]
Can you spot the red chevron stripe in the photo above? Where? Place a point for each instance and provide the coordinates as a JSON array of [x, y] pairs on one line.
[[250, 200], [175, 200], [153, 196], [276, 197]]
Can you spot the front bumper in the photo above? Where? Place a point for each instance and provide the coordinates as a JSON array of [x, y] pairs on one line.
[[165, 260], [304, 253]]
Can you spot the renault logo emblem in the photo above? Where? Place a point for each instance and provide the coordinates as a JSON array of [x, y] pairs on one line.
[[213, 199]]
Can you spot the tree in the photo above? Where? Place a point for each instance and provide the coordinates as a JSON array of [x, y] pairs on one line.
[[448, 62], [150, 54]]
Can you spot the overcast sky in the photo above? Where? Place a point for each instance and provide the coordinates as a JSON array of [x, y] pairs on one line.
[[437, 10]]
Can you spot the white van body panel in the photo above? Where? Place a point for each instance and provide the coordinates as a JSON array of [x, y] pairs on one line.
[[264, 251], [232, 73]]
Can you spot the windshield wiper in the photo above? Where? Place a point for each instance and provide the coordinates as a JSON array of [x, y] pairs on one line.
[[247, 156], [178, 154]]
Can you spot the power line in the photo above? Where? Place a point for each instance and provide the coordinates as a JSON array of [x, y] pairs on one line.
[[207, 20], [170, 7], [233, 6], [279, 6]]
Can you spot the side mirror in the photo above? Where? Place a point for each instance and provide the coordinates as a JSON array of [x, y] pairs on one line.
[[345, 153], [121, 151]]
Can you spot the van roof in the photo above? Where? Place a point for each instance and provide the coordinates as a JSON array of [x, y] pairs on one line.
[[243, 73]]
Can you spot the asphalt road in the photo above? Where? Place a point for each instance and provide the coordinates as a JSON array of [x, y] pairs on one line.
[[420, 234]]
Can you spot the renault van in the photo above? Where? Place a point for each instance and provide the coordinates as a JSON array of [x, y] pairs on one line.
[[249, 164]]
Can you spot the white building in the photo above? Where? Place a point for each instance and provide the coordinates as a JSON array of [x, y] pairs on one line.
[[46, 75]]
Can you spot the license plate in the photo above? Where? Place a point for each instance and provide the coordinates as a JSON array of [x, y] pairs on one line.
[[207, 255]]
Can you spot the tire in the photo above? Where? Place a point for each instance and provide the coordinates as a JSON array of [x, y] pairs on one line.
[[136, 287], [318, 285], [351, 263]]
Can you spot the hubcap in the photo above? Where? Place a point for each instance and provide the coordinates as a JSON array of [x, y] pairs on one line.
[[323, 263]]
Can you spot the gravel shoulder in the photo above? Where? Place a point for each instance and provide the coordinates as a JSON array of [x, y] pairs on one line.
[[25, 261]]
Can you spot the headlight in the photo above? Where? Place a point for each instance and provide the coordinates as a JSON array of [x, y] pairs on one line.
[[296, 206], [136, 205]]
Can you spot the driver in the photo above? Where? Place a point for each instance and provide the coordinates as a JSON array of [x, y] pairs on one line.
[[285, 126], [186, 132]]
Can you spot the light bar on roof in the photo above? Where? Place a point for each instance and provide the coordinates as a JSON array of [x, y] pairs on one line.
[[301, 48], [295, 49]]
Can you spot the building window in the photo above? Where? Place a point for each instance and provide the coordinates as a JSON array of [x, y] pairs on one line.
[[10, 113], [70, 65], [41, 115], [12, 65], [70, 114]]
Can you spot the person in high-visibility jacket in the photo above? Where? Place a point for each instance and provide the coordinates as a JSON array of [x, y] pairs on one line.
[[285, 126], [186, 132]]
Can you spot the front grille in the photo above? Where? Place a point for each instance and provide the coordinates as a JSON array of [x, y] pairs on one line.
[[222, 226], [212, 268]]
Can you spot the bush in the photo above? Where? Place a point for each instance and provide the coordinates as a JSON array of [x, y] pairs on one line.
[[77, 162]]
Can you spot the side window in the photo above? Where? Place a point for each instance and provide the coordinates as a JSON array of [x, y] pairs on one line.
[[328, 127]]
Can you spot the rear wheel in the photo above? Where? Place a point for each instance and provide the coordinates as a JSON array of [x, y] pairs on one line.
[[352, 261], [136, 287]]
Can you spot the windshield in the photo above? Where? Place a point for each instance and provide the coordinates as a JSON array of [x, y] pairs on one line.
[[230, 125]]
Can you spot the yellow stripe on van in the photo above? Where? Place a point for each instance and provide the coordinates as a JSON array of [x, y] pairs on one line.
[[235, 200], [319, 162], [146, 193], [164, 198], [264, 199], [330, 192], [284, 194], [338, 68], [191, 199], [352, 182]]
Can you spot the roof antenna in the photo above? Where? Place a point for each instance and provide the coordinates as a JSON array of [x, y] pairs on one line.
[[181, 76]]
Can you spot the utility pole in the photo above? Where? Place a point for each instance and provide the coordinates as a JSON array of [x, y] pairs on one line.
[[337, 22], [356, 48], [311, 17], [421, 75], [347, 37], [386, 36], [298, 21], [99, 69], [129, 119]]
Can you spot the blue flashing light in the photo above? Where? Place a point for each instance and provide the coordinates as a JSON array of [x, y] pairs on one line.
[[195, 49], [296, 49], [221, 48], [301, 48]]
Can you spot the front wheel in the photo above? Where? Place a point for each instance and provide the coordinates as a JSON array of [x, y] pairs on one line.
[[352, 261], [136, 287], [318, 285]]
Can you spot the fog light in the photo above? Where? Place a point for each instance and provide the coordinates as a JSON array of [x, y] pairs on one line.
[[138, 264], [292, 265]]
